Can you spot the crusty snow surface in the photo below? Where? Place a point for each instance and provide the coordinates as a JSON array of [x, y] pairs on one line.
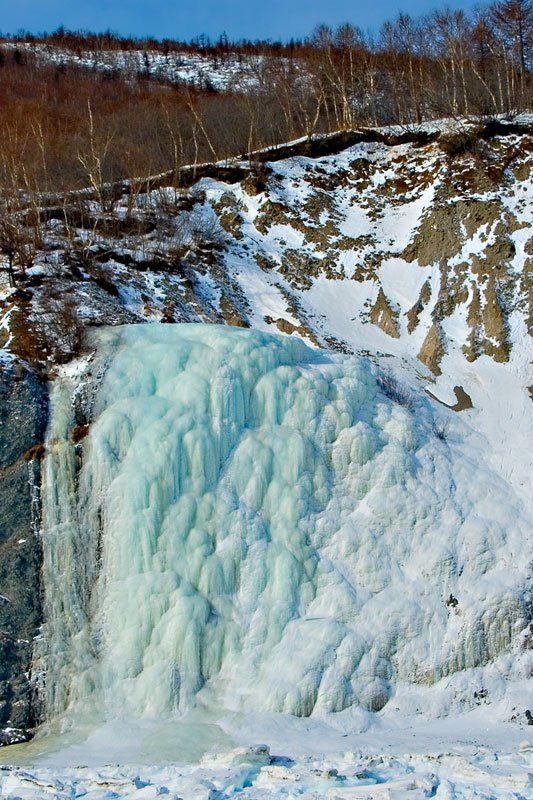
[[451, 761]]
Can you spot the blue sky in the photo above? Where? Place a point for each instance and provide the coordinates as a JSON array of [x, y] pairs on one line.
[[184, 19]]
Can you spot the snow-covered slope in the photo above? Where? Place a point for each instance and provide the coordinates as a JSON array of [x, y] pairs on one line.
[[405, 253], [223, 73]]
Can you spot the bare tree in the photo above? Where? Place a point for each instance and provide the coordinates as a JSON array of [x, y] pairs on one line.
[[403, 37], [513, 23], [15, 244], [92, 159]]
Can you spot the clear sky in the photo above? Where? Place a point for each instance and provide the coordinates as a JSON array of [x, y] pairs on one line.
[[185, 19]]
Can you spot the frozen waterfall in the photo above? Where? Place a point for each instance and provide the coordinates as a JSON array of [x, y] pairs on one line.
[[255, 524]]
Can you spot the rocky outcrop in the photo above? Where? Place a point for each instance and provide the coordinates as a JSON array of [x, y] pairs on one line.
[[413, 315], [23, 417], [488, 326], [496, 343], [229, 210], [231, 314], [384, 316], [463, 402], [433, 349], [441, 234]]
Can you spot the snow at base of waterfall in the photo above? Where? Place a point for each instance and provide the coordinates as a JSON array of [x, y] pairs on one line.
[[448, 760]]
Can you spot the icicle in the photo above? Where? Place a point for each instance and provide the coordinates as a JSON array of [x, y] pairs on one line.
[[35, 498]]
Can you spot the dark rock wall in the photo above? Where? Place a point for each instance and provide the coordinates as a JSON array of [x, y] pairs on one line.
[[23, 418]]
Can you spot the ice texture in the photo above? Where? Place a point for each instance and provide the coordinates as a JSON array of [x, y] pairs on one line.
[[256, 521], [249, 774]]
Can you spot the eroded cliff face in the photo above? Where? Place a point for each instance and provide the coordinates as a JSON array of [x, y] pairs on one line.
[[23, 417], [388, 239]]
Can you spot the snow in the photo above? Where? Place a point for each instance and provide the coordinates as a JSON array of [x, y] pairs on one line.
[[219, 72], [5, 331], [338, 308], [454, 762]]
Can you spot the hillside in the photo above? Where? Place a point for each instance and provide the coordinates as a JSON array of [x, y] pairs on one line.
[[215, 72], [395, 264], [421, 251]]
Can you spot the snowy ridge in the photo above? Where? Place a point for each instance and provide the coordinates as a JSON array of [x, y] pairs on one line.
[[215, 72]]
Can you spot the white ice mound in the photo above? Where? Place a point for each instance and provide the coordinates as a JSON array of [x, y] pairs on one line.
[[258, 520]]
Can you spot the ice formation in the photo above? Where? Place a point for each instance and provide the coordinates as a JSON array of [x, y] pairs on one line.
[[257, 522]]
